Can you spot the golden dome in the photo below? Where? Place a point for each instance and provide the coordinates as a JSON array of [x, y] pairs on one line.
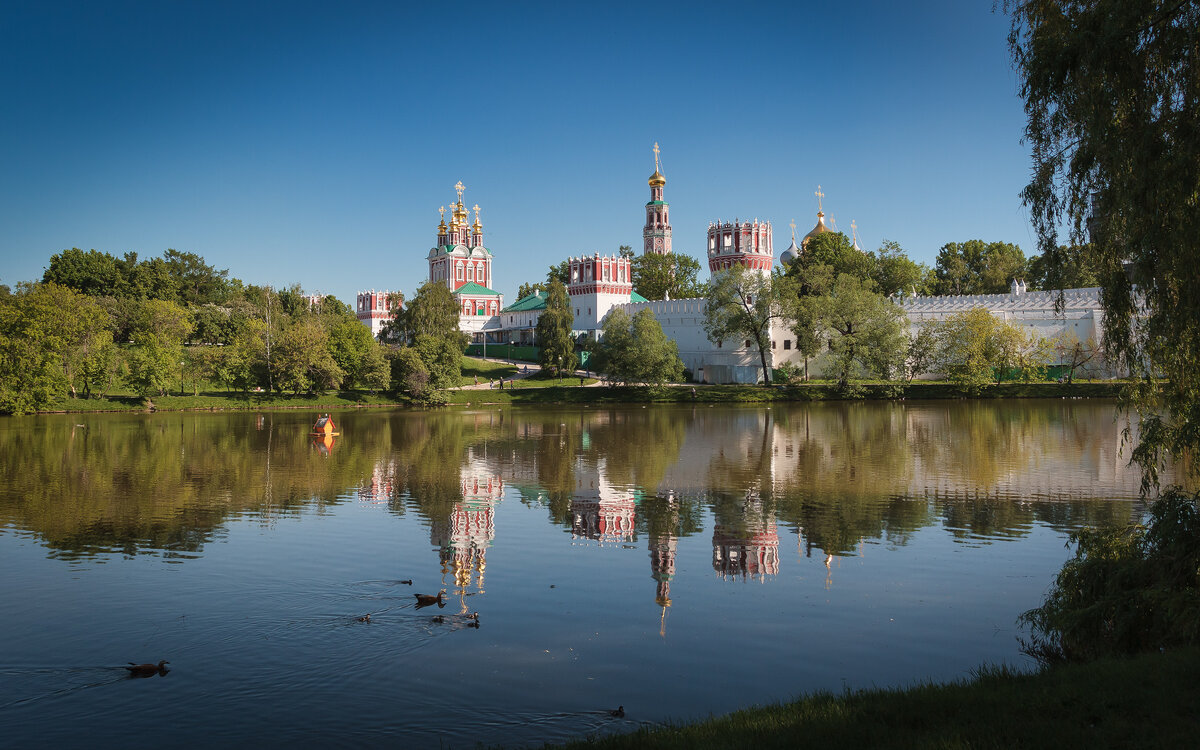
[[657, 180], [820, 228]]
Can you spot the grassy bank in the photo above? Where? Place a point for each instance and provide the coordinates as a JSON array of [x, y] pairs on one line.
[[1147, 701], [573, 394], [550, 390]]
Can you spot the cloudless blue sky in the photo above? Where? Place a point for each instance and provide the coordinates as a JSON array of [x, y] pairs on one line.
[[312, 143]]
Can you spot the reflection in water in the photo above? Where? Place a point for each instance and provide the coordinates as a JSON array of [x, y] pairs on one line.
[[463, 537], [835, 473], [937, 521]]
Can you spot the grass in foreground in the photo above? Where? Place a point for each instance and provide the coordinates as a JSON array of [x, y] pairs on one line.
[[1146, 701]]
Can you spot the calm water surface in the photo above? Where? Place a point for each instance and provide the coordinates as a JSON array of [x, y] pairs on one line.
[[677, 561]]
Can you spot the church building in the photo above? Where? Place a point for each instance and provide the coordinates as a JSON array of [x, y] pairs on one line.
[[462, 262]]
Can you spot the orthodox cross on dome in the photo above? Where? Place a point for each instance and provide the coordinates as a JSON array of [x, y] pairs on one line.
[[793, 226], [656, 165], [459, 187], [442, 212], [854, 229], [475, 208], [819, 195]]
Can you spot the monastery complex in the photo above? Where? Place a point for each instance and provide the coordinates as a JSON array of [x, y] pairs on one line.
[[600, 283]]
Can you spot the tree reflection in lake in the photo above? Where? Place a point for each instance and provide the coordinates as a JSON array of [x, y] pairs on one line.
[[939, 522], [834, 473]]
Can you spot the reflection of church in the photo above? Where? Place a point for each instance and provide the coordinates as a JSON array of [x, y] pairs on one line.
[[378, 489], [463, 537], [598, 511], [749, 551]]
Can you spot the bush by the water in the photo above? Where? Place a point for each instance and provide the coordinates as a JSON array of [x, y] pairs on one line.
[[1126, 590]]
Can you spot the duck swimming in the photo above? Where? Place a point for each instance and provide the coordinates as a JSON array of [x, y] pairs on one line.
[[146, 670], [424, 600], [619, 713]]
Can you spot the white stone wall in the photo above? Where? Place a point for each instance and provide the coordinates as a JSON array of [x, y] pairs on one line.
[[1081, 314], [731, 361]]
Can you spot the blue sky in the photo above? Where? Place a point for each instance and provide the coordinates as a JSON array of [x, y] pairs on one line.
[[313, 143]]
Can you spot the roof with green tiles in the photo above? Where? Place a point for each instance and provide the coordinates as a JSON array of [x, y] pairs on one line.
[[635, 297], [529, 302], [472, 288]]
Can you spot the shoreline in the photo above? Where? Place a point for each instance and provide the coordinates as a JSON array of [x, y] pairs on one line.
[[598, 394], [1139, 701]]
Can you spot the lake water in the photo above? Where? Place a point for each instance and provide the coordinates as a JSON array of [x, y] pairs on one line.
[[676, 561]]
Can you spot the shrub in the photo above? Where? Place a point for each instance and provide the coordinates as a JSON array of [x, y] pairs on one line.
[[1126, 590]]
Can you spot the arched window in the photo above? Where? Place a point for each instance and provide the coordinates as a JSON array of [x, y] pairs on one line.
[[460, 271]]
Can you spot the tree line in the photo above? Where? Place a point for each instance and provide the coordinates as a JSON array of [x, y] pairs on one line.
[[96, 324]]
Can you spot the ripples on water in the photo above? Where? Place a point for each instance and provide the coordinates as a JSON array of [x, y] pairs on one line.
[[676, 561]]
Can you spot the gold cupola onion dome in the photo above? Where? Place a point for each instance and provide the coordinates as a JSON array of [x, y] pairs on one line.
[[656, 179], [820, 228]]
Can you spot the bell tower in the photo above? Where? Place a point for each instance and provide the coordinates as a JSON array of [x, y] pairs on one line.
[[656, 235]]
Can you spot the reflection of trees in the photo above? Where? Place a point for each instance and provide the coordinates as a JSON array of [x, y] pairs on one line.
[[838, 473], [639, 445], [126, 483]]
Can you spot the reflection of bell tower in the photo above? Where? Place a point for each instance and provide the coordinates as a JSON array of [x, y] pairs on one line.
[[663, 549], [748, 552], [464, 537], [598, 511]]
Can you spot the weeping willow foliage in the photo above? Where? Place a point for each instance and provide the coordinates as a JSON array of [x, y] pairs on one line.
[[1112, 95], [1127, 590]]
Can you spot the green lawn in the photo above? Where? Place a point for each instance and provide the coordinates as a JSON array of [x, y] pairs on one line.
[[1150, 701], [472, 367]]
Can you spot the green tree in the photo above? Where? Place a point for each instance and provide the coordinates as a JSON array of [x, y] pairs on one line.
[[93, 273], [1110, 91], [865, 330], [636, 350], [978, 267], [197, 282], [430, 325], [672, 275], [967, 348], [527, 289], [611, 352], [655, 357], [356, 352], [410, 376], [303, 360], [1074, 268], [922, 352], [48, 335], [835, 250], [244, 365], [156, 358], [560, 272], [554, 331], [742, 304], [893, 271]]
